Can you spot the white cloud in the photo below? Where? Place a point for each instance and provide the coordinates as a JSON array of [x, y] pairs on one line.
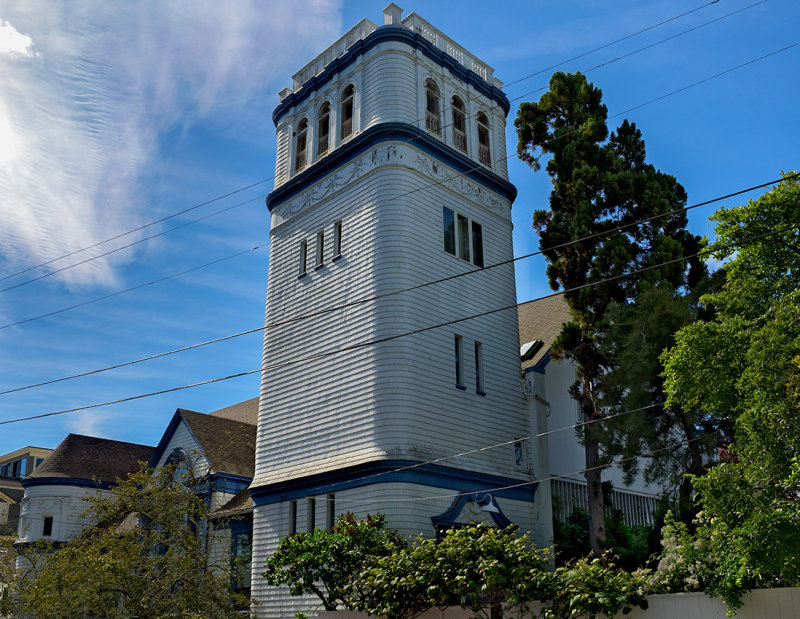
[[13, 42], [81, 117], [88, 423]]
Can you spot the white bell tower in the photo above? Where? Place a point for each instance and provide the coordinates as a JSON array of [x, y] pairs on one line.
[[390, 174]]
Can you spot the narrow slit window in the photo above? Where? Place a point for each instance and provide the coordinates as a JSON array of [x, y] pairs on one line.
[[337, 239], [432, 111], [449, 226], [463, 238], [484, 153], [478, 367], [303, 257], [292, 517], [47, 526], [320, 256], [323, 129], [300, 145], [459, 124], [459, 359], [330, 511], [346, 128], [312, 513], [477, 244]]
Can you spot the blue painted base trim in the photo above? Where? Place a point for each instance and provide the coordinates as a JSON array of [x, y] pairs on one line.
[[392, 132], [392, 471], [67, 481]]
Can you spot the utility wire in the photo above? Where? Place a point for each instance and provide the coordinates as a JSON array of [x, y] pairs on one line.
[[392, 293], [388, 338]]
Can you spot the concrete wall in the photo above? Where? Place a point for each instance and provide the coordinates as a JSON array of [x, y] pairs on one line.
[[759, 604]]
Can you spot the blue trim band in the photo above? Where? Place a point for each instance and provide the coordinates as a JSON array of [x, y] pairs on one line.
[[392, 132], [386, 471], [381, 35], [67, 481]]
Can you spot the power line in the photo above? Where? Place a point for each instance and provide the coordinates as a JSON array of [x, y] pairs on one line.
[[413, 139], [393, 293], [132, 288], [388, 338], [142, 227]]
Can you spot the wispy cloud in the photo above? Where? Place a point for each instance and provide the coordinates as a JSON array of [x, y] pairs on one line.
[[87, 89]]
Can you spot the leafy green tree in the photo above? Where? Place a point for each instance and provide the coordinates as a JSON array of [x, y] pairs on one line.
[[145, 558], [327, 563], [600, 183], [745, 363]]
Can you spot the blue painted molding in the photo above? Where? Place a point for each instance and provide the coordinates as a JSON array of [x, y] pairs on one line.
[[67, 481], [392, 132], [539, 368], [386, 471], [382, 35]]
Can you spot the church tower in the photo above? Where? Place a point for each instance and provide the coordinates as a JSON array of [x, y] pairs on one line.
[[379, 386]]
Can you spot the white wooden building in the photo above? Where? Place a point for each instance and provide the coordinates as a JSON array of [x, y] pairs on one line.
[[390, 173]]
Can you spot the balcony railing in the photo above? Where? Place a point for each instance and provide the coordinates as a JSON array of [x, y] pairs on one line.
[[300, 161], [460, 140], [347, 127], [483, 155], [432, 124], [322, 145]]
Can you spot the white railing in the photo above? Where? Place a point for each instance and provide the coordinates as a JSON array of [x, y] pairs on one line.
[[432, 124], [483, 155], [568, 495], [347, 128], [460, 140]]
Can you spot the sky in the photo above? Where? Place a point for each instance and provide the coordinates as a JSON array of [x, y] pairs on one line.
[[114, 116]]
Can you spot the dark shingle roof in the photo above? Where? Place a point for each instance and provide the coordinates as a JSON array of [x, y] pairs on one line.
[[15, 494], [238, 505], [92, 458], [245, 412], [229, 445], [542, 320]]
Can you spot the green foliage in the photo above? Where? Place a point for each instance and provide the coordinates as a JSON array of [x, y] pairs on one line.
[[600, 182], [145, 558], [743, 363], [480, 568], [328, 563]]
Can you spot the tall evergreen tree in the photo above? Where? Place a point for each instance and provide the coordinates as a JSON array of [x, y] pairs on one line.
[[594, 238]]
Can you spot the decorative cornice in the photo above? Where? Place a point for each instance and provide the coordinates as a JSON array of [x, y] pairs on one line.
[[394, 471], [382, 35], [470, 179]]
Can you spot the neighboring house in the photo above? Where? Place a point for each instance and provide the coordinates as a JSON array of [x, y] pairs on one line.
[[13, 467], [218, 450], [81, 466], [391, 172], [561, 457]]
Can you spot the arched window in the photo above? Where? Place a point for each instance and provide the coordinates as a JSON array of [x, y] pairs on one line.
[[432, 122], [459, 124], [347, 111], [483, 139], [300, 144], [323, 128]]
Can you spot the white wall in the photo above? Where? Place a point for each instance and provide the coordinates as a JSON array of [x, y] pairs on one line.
[[63, 503]]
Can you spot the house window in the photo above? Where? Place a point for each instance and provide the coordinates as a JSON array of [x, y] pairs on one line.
[[303, 257], [449, 226], [459, 359], [241, 557], [460, 233], [330, 511], [479, 367], [477, 244], [300, 145], [432, 120], [483, 140], [311, 514], [320, 249], [347, 111], [337, 239], [459, 124], [47, 526], [519, 453], [323, 128], [292, 517]]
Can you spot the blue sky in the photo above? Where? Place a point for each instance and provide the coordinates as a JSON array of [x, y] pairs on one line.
[[113, 116]]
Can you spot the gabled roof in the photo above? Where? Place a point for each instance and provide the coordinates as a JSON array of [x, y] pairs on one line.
[[239, 505], [229, 446], [245, 412], [92, 458], [11, 495], [542, 319]]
